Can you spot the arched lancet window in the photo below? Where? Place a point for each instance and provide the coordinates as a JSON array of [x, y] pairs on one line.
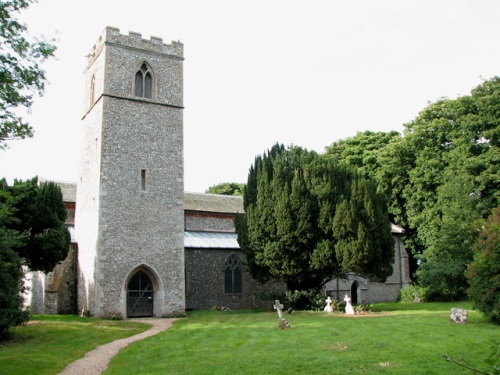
[[232, 275], [143, 87]]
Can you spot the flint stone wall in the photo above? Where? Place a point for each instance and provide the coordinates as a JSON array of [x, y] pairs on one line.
[[205, 283]]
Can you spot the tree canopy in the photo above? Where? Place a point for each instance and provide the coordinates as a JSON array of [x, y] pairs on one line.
[[309, 219], [440, 176], [20, 73], [227, 188]]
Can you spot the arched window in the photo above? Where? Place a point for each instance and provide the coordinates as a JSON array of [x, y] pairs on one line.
[[232, 275], [143, 87]]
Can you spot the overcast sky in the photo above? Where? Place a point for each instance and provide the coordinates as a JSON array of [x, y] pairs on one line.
[[260, 72]]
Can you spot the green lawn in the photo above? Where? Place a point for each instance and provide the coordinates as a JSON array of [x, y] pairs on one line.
[[393, 339], [48, 343]]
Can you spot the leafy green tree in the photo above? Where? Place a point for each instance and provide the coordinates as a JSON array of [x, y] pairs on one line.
[[361, 151], [484, 271], [227, 188], [38, 216], [289, 231], [454, 180], [20, 72], [450, 240]]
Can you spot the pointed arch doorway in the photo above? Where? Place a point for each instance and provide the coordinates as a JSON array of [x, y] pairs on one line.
[[140, 296]]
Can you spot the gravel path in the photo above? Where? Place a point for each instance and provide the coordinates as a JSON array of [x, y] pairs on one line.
[[97, 360]]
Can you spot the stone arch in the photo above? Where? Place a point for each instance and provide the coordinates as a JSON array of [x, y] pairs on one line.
[[355, 293], [144, 81], [141, 289]]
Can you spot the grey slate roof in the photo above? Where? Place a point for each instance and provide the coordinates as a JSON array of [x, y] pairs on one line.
[[210, 240]]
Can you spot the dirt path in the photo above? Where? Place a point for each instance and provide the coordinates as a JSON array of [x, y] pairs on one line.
[[97, 360]]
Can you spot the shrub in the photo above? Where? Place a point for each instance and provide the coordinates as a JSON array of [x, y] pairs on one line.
[[306, 300], [407, 295], [363, 308], [484, 271]]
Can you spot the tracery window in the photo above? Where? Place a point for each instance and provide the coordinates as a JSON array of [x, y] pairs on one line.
[[143, 87], [232, 275]]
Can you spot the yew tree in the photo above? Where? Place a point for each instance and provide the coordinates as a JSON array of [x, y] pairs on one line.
[[308, 219], [38, 215]]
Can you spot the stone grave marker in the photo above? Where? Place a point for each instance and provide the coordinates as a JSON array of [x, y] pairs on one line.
[[328, 308], [459, 315], [282, 323], [348, 307]]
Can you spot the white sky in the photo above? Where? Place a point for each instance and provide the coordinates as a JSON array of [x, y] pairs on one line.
[[260, 72]]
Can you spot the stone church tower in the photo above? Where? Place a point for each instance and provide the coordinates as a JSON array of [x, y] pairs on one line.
[[129, 217]]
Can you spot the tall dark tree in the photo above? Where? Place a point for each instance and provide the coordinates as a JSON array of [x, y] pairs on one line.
[[20, 73], [289, 231], [38, 216], [11, 312]]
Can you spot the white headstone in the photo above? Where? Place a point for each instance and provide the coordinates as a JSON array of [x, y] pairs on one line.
[[328, 307], [348, 307]]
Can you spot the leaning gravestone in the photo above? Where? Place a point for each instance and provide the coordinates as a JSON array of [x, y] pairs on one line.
[[459, 315], [282, 323]]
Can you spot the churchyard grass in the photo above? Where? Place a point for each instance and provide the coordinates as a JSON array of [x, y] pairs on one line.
[[393, 339], [48, 343]]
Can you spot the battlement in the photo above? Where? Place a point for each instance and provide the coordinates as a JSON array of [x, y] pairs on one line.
[[112, 35]]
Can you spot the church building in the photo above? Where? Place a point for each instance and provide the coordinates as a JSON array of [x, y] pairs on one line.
[[141, 246]]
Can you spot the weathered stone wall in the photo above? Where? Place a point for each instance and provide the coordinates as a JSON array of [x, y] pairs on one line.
[[55, 292], [211, 223], [205, 283]]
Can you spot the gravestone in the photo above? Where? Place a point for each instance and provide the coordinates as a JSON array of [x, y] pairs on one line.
[[348, 307], [328, 308], [459, 315], [282, 323], [416, 299]]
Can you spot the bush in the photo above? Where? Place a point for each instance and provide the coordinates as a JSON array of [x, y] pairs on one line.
[[407, 295], [363, 308], [484, 271], [306, 300]]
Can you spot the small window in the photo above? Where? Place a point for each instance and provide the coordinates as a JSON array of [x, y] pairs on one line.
[[143, 179], [143, 86], [232, 275]]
